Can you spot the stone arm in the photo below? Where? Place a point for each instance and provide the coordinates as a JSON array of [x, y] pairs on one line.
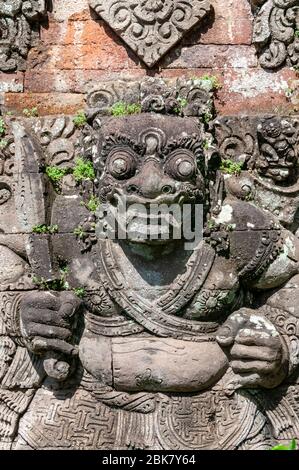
[[263, 343], [281, 302]]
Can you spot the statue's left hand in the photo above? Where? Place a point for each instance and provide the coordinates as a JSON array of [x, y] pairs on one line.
[[255, 349]]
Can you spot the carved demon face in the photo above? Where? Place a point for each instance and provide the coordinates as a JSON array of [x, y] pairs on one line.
[[151, 159]]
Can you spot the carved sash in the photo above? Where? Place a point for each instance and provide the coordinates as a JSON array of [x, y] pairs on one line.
[[158, 317]]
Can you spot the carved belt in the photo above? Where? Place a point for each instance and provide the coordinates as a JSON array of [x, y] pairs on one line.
[[121, 326]]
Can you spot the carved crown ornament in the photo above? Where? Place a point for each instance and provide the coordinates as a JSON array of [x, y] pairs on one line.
[[151, 27], [276, 32], [18, 29]]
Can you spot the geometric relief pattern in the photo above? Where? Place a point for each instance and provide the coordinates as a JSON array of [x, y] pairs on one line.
[[66, 422], [77, 421]]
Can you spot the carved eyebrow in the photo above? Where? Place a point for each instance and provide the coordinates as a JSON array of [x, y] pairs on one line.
[[119, 140], [193, 143]]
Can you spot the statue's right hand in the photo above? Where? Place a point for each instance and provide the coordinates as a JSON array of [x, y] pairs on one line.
[[47, 321]]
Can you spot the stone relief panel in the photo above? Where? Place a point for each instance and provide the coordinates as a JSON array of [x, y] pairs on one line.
[[151, 27], [19, 21], [266, 150], [81, 313], [275, 32]]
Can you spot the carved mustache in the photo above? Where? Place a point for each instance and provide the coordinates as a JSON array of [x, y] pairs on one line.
[[180, 197]]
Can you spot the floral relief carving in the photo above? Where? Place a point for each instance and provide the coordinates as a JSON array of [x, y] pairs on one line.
[[275, 32], [151, 27], [18, 29]]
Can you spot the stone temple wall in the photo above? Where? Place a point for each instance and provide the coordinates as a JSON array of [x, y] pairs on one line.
[[76, 48]]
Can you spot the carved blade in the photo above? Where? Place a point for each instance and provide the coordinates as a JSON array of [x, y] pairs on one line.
[[30, 201], [31, 211]]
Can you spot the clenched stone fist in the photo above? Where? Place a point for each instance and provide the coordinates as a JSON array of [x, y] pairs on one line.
[[47, 321], [255, 349]]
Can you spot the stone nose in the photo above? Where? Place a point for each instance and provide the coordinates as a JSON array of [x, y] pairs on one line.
[[151, 182]]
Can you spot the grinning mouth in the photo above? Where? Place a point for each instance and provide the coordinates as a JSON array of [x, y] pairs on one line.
[[158, 221]]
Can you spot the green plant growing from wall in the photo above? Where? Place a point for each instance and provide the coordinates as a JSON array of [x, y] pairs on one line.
[[45, 229], [211, 224], [206, 144], [231, 168], [3, 144], [208, 82], [83, 170], [249, 197], [291, 446], [2, 127], [80, 292], [207, 117], [30, 112], [121, 109], [58, 285], [79, 232], [56, 174], [182, 103], [80, 119], [93, 204]]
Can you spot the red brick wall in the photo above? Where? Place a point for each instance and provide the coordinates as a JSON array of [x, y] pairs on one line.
[[77, 49]]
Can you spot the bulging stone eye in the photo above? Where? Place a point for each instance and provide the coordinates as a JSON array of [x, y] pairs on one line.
[[121, 164], [181, 165], [185, 168]]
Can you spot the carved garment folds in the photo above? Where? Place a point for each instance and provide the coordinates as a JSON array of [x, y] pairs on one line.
[[18, 29], [151, 27], [141, 342], [276, 32]]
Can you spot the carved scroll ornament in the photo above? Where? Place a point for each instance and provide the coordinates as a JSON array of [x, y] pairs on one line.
[[275, 33], [151, 27], [19, 21]]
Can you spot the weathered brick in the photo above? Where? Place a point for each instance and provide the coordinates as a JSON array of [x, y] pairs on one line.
[[11, 82], [64, 9], [255, 91], [74, 32], [73, 81], [77, 49], [46, 103], [232, 23], [212, 56]]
